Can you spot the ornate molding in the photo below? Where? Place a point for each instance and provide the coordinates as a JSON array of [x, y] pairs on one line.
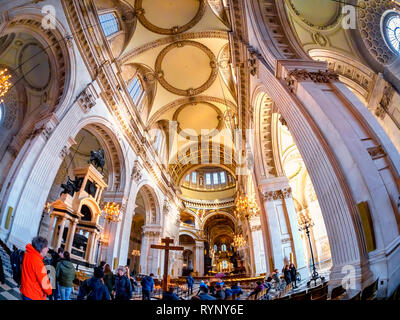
[[136, 171], [256, 228], [272, 195], [87, 98], [384, 104], [191, 91], [296, 75]]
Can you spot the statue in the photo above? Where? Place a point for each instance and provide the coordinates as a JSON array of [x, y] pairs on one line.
[[97, 159], [70, 187]]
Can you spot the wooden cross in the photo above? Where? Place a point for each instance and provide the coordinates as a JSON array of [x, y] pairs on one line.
[[167, 241]]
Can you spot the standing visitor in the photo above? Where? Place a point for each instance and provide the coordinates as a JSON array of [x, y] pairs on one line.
[[35, 284], [93, 288], [190, 283], [65, 275], [56, 257], [2, 277], [109, 279], [293, 274], [123, 288], [16, 258], [286, 274], [147, 286]]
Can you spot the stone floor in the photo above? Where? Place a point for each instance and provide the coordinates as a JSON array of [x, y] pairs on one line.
[[9, 290]]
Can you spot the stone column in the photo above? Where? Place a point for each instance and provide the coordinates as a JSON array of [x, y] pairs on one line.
[[60, 233], [51, 229], [89, 246], [258, 245], [282, 220], [71, 235], [200, 257]]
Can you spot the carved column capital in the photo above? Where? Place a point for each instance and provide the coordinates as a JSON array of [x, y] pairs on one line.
[[87, 98], [136, 171]]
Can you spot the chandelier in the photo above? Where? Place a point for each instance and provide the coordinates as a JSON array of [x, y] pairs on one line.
[[112, 212], [239, 241], [4, 83], [246, 206], [305, 221], [135, 253]]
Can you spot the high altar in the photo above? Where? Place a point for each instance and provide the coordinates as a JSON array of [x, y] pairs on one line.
[[74, 221]]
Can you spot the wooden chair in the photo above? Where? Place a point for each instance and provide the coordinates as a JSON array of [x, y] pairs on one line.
[[337, 293], [320, 293], [369, 293]]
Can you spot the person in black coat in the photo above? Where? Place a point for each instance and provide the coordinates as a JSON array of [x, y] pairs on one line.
[[170, 295], [2, 277], [293, 274], [123, 287], [286, 274], [94, 288]]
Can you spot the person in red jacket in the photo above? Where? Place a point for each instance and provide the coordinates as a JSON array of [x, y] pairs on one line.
[[35, 284]]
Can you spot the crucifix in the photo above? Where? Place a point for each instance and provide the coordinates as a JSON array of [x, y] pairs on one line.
[[167, 241]]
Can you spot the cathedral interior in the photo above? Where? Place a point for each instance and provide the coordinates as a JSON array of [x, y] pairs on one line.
[[254, 133]]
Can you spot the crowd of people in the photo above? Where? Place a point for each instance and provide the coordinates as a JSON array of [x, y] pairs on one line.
[[38, 282]]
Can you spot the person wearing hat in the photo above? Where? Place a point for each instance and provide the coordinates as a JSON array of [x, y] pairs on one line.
[[94, 288]]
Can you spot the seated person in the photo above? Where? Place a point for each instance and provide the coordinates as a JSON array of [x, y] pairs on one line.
[[204, 294], [202, 285], [257, 289], [228, 291], [219, 293], [170, 295], [236, 289]]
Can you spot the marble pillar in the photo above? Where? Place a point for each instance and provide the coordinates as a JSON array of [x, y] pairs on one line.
[[199, 255]]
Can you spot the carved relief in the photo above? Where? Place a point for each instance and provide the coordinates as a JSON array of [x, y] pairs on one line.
[[87, 98], [136, 171], [383, 106], [277, 194]]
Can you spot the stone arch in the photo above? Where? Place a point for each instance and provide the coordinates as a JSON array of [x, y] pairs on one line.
[[218, 212], [115, 154], [190, 234], [149, 196]]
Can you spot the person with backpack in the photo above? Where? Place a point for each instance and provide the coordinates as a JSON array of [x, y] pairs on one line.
[[16, 258], [65, 275], [94, 288], [147, 286], [35, 284], [123, 287]]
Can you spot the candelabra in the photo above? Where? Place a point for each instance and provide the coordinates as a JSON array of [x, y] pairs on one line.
[[305, 224], [239, 241]]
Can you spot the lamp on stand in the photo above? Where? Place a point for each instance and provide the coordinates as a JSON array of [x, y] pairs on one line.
[[305, 224]]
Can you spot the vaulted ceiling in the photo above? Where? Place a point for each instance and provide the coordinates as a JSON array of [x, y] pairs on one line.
[[183, 47]]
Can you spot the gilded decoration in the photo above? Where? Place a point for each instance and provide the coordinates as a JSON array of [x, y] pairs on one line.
[[141, 15], [191, 91]]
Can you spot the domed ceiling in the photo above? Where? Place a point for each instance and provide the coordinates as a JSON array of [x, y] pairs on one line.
[[185, 44]]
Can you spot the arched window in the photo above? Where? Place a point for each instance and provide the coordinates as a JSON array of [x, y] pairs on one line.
[[135, 90], [391, 31], [109, 23], [194, 177], [223, 247], [215, 178], [187, 178], [222, 177], [208, 178]]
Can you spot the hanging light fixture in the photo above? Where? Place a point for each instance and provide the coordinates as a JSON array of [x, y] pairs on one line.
[[246, 206], [112, 212], [4, 83], [239, 241]]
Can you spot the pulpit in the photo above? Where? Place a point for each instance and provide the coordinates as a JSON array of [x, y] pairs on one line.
[[74, 223]]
